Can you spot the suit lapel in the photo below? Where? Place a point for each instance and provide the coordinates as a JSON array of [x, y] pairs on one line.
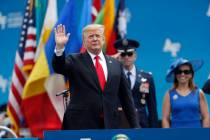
[[89, 63], [109, 70]]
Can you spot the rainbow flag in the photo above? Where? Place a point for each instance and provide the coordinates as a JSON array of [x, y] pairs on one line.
[[107, 18]]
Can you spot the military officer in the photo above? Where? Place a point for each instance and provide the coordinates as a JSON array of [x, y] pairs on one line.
[[140, 82]]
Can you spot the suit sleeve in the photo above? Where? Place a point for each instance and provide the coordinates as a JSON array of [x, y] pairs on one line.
[[61, 64], [206, 87], [127, 102], [152, 105]]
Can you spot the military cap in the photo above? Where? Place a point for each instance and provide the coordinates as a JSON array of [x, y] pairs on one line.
[[126, 45]]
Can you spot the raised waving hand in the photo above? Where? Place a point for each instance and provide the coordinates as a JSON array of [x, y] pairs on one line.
[[61, 37]]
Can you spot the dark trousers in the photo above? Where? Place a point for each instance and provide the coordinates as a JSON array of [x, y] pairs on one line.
[[101, 121]]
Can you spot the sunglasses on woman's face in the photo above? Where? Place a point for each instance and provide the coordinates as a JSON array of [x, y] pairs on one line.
[[183, 71], [126, 53]]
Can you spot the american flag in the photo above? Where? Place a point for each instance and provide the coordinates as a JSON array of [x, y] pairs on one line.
[[24, 56], [30, 43]]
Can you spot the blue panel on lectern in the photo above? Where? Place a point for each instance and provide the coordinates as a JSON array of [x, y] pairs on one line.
[[21, 139], [133, 134]]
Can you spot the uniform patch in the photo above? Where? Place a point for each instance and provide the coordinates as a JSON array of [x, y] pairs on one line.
[[144, 87]]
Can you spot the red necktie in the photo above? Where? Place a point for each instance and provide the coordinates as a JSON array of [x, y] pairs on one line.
[[100, 73]]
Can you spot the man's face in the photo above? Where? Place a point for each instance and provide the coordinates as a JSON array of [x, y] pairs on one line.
[[94, 40], [128, 58]]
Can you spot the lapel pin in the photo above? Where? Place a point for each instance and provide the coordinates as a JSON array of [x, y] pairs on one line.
[[175, 97]]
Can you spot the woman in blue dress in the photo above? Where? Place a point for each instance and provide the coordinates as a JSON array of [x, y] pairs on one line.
[[184, 105]]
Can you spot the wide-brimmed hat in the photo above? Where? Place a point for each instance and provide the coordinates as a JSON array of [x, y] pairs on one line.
[[126, 45], [196, 64]]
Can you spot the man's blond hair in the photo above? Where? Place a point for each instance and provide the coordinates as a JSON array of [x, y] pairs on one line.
[[93, 27]]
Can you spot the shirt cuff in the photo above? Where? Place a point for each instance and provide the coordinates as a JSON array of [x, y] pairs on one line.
[[59, 52]]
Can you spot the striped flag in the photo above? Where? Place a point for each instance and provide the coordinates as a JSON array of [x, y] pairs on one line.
[[27, 38], [30, 43]]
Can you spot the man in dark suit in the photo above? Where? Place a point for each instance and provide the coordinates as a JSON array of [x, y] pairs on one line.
[[141, 83], [97, 83]]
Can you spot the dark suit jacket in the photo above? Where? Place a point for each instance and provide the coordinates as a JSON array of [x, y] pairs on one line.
[[206, 87], [145, 102], [88, 101]]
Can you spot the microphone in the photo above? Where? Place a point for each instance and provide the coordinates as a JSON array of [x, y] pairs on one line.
[[63, 92]]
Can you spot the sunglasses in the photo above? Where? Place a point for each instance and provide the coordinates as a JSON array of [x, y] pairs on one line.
[[127, 53], [183, 71]]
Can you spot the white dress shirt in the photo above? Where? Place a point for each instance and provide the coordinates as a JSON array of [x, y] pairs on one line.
[[102, 61], [59, 52]]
